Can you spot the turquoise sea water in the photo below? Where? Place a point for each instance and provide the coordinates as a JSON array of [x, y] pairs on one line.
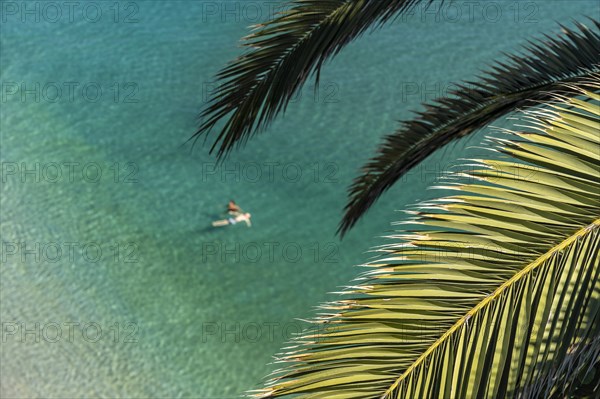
[[105, 217]]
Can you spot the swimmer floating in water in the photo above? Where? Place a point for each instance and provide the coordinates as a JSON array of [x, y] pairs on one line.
[[241, 217], [233, 208]]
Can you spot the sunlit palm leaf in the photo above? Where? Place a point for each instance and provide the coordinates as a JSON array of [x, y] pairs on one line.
[[492, 292], [284, 53], [523, 81]]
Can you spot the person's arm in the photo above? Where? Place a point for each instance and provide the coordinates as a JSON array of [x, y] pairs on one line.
[[248, 222]]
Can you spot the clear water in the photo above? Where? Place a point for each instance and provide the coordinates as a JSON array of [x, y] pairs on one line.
[[160, 304]]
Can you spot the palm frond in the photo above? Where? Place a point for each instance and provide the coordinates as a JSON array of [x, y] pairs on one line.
[[524, 80], [284, 53], [485, 293], [577, 375]]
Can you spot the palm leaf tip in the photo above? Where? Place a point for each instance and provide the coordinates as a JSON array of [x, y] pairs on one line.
[[546, 68], [283, 54], [495, 295]]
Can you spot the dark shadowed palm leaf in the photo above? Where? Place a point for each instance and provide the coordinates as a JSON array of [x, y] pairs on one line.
[[523, 81], [284, 53], [492, 292]]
